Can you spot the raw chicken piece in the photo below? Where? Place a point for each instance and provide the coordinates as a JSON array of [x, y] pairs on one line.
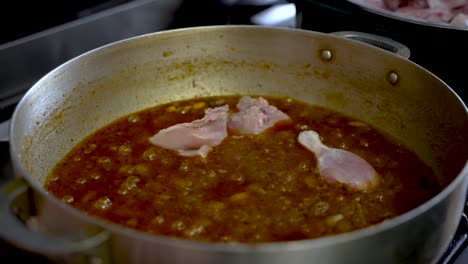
[[439, 15], [395, 4], [418, 3], [432, 4], [338, 165], [445, 4], [414, 12], [460, 19], [197, 137], [392, 4], [255, 116], [202, 151], [377, 3]]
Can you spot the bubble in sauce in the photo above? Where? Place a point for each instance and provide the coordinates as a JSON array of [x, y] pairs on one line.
[[149, 154], [105, 162], [68, 199], [90, 148], [81, 180], [125, 149], [320, 208], [157, 220], [103, 203], [133, 119], [129, 184], [95, 176], [178, 225]]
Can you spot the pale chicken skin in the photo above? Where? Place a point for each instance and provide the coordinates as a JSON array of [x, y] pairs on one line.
[[196, 137], [255, 116]]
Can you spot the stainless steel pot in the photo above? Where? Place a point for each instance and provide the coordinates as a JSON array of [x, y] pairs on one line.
[[379, 87]]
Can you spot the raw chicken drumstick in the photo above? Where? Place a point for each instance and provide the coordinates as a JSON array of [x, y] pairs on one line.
[[338, 165]]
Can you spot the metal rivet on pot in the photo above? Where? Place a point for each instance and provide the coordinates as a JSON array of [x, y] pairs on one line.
[[392, 78], [326, 55]]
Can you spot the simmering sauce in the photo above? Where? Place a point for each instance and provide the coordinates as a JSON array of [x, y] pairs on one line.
[[250, 188]]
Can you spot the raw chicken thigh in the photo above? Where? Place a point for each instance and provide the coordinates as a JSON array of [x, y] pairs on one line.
[[338, 165]]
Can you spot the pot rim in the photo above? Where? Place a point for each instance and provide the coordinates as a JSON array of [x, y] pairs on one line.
[[218, 246]]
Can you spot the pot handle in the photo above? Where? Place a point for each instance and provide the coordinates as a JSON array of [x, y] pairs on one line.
[[378, 41], [14, 231], [4, 131]]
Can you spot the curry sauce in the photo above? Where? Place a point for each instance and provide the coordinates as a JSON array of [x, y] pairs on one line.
[[250, 188]]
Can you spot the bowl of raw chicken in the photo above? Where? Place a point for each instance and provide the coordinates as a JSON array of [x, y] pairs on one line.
[[440, 13]]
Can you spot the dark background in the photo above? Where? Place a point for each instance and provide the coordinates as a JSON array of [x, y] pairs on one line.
[[442, 53], [20, 19]]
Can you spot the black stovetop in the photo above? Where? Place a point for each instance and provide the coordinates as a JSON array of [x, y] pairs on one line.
[[170, 14]]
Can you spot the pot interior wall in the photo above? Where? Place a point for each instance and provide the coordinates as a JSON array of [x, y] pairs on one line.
[[96, 88]]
